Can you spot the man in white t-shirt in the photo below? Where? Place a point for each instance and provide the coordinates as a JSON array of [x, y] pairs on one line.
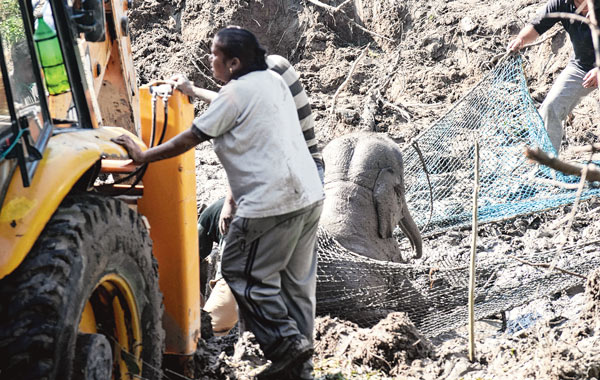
[[269, 259], [284, 175], [272, 204], [211, 227]]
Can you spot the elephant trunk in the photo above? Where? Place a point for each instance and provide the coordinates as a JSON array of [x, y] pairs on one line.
[[410, 229]]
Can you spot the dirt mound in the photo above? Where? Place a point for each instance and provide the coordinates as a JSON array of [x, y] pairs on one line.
[[388, 346], [422, 57]]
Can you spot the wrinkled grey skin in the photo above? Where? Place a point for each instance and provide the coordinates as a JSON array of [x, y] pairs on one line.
[[364, 190]]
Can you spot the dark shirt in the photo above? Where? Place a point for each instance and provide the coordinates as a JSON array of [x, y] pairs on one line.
[[579, 33], [208, 227]]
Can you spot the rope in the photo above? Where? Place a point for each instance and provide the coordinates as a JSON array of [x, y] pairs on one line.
[[415, 145], [7, 151], [144, 363]]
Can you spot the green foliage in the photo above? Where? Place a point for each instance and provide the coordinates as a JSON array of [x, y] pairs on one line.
[[11, 24]]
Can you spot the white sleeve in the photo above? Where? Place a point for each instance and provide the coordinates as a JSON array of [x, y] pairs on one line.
[[220, 116]]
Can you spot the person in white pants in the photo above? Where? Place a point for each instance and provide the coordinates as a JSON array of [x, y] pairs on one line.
[[579, 78]]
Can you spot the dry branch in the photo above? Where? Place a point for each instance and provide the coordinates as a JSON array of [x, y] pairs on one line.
[[571, 217], [402, 112], [328, 7], [208, 78], [546, 38], [593, 148], [565, 236], [544, 158], [367, 116], [544, 265], [472, 261], [334, 10], [369, 31], [347, 80]]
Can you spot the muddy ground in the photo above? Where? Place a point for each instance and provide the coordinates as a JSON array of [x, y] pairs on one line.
[[419, 58]]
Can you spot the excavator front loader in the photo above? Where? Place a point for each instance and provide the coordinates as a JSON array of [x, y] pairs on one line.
[[99, 273]]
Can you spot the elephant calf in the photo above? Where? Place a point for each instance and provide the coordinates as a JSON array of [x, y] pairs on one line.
[[364, 189]]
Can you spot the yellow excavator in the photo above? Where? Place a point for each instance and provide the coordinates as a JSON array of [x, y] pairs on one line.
[[99, 268]]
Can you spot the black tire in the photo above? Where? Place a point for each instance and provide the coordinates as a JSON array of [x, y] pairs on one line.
[[41, 303]]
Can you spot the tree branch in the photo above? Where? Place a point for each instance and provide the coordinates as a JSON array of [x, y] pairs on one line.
[[334, 10], [543, 158], [323, 5], [347, 80], [544, 265]]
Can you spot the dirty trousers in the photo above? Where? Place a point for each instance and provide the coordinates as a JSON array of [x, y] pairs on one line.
[[270, 265], [566, 92]]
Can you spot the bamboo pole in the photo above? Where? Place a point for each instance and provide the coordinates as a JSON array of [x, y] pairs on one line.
[[472, 264]]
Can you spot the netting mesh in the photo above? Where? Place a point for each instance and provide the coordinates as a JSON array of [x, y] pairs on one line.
[[364, 291], [498, 112]]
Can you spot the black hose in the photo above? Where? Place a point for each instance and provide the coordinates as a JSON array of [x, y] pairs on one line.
[[139, 172]]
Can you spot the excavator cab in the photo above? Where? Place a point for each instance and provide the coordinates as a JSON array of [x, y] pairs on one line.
[[30, 65], [99, 269], [24, 119]]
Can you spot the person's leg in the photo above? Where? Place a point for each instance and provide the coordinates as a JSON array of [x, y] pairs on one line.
[[208, 234], [208, 228], [298, 285], [205, 243], [298, 279], [256, 252], [565, 94]]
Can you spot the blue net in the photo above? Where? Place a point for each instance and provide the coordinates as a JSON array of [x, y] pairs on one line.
[[499, 113]]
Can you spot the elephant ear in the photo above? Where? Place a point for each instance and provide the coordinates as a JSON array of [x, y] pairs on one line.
[[386, 202]]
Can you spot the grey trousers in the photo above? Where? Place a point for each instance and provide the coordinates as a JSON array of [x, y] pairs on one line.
[[270, 265], [566, 92]]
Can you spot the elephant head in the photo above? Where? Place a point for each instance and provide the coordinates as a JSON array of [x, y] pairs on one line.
[[364, 189]]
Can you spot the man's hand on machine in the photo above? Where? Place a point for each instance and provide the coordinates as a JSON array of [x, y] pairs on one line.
[[135, 153], [181, 83]]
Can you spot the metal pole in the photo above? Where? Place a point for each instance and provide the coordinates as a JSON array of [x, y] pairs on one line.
[[472, 264]]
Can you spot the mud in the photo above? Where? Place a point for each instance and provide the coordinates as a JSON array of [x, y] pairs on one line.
[[388, 346], [421, 58], [553, 337]]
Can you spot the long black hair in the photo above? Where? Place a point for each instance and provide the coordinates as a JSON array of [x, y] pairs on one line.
[[236, 42]]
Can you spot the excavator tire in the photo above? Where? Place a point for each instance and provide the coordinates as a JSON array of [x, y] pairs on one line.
[[86, 300]]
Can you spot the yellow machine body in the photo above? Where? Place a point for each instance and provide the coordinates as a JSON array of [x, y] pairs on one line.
[[169, 187], [26, 210], [169, 203]]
